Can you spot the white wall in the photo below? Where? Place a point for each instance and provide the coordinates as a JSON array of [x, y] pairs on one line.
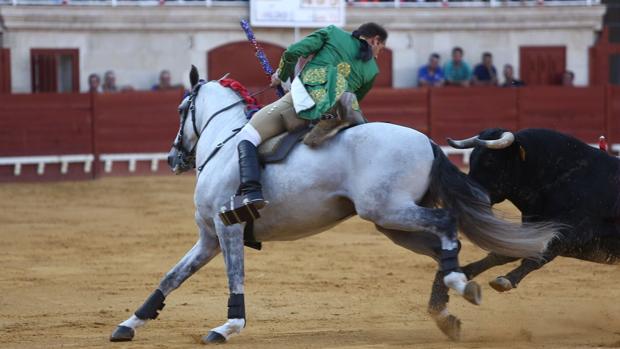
[[138, 42]]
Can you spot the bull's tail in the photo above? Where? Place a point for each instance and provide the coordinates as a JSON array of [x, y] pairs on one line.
[[455, 191]]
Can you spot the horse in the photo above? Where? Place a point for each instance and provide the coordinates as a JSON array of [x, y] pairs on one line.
[[392, 176]]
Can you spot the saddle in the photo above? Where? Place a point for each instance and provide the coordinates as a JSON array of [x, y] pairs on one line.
[[277, 148]]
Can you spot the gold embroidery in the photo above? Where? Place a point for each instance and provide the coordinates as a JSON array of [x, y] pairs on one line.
[[318, 94], [344, 68], [314, 76], [341, 85]]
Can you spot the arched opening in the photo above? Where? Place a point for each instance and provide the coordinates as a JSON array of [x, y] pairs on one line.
[[238, 59]]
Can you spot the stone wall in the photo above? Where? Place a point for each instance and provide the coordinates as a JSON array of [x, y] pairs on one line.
[[138, 42]]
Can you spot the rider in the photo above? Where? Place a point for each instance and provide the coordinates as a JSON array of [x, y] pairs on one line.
[[340, 73]]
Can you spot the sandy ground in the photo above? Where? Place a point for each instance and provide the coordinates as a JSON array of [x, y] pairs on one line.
[[79, 257]]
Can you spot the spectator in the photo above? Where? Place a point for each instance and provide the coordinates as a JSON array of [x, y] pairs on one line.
[[164, 82], [94, 82], [456, 71], [485, 73], [431, 74], [109, 82], [568, 78], [509, 78]]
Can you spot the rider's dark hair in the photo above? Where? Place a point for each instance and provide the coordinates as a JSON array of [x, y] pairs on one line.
[[368, 30]]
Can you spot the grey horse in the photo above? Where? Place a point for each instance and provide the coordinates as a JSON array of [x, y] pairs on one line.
[[390, 175]]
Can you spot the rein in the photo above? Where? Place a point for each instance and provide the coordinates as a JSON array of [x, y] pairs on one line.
[[192, 107]]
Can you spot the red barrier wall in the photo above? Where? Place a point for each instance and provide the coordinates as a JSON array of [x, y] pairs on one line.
[[408, 107], [577, 111], [45, 124], [135, 122], [146, 122], [464, 112]]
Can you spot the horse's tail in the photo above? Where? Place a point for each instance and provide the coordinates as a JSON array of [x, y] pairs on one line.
[[455, 191]]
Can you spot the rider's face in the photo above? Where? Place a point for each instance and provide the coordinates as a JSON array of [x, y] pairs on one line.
[[377, 46]]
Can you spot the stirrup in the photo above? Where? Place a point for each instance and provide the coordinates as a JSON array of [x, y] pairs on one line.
[[238, 210]]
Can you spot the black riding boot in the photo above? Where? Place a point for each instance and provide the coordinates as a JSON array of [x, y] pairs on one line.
[[249, 174]]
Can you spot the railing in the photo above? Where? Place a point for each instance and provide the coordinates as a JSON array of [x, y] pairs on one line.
[[354, 3]]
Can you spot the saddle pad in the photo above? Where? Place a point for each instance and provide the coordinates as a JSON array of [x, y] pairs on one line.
[[276, 148]]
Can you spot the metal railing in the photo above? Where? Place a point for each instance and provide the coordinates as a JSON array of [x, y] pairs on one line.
[[353, 3]]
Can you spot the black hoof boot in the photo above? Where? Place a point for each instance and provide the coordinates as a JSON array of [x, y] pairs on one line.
[[213, 338], [122, 334], [249, 174]]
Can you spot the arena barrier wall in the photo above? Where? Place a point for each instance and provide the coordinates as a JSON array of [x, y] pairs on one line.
[[81, 136]]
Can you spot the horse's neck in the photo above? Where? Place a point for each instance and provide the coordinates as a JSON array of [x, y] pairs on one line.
[[210, 101]]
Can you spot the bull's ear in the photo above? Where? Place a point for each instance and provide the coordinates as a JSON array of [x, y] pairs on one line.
[[193, 76]]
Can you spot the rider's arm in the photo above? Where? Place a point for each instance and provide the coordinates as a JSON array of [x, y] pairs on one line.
[[305, 47], [362, 91]]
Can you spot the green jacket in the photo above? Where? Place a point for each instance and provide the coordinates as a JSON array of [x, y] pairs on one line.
[[333, 70]]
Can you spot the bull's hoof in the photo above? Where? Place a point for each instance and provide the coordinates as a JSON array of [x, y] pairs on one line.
[[451, 326], [501, 284], [473, 293], [122, 334], [213, 338]]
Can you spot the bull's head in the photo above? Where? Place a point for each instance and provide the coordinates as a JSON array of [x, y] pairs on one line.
[[494, 161]]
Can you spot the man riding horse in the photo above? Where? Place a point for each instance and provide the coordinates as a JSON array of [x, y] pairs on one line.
[[327, 90]]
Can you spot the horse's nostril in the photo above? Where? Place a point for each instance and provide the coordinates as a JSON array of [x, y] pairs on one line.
[[170, 159]]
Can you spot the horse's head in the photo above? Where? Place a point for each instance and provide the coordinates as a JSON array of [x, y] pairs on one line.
[[182, 156], [212, 101]]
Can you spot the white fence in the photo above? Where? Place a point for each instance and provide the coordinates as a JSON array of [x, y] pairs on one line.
[[131, 160]]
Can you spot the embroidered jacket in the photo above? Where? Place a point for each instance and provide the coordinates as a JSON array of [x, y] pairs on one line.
[[333, 70]]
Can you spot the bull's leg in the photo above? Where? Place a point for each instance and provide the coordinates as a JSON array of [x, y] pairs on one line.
[[512, 279], [430, 245], [203, 251], [231, 242], [491, 260]]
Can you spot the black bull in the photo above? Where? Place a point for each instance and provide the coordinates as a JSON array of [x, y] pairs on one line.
[[549, 176]]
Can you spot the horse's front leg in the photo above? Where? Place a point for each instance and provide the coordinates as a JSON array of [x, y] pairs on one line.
[[231, 242], [202, 252]]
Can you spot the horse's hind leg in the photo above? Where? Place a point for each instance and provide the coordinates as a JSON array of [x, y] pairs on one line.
[[430, 245], [203, 251], [434, 221]]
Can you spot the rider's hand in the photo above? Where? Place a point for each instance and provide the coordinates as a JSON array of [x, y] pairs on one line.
[[275, 80]]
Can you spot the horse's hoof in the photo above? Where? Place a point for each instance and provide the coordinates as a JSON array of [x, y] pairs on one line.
[[473, 293], [501, 284], [213, 338], [451, 326], [122, 334]]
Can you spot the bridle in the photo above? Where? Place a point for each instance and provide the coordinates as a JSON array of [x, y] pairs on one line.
[[187, 157]]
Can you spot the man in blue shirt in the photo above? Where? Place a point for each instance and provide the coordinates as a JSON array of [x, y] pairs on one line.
[[485, 73], [456, 71], [431, 74]]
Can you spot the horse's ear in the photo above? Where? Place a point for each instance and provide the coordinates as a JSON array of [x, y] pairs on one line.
[[193, 76]]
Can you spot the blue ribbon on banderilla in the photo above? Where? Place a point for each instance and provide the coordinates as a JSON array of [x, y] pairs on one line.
[[260, 54]]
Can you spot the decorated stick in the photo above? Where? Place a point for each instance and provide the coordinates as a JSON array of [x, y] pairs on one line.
[[260, 54]]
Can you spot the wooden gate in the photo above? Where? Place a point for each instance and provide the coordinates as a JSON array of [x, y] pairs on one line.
[[542, 65]]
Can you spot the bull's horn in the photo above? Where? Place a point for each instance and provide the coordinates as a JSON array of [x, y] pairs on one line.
[[463, 143], [503, 142]]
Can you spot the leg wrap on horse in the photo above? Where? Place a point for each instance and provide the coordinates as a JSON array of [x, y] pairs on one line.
[[149, 309], [236, 306], [449, 260]]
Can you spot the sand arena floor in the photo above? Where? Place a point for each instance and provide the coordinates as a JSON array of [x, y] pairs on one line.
[[79, 257]]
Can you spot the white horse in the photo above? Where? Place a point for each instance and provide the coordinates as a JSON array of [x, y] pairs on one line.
[[390, 175]]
